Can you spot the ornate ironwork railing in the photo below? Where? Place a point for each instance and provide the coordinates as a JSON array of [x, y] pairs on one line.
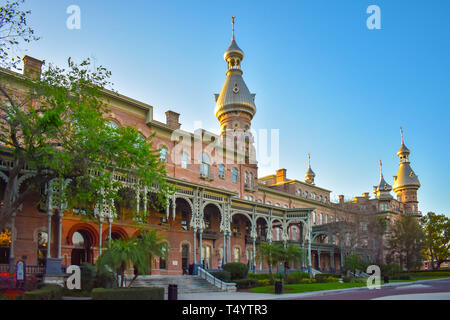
[[226, 286]]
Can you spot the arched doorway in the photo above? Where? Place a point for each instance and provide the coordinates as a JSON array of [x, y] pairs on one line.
[[5, 242], [184, 257], [42, 242], [82, 241]]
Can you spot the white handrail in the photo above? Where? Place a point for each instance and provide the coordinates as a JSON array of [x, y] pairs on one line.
[[227, 286]]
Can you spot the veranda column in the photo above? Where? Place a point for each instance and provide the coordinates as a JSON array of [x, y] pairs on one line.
[[109, 229], [200, 246], [100, 219], [254, 254], [318, 261], [228, 246], [195, 245], [60, 217], [11, 245], [224, 250], [49, 227], [332, 265]]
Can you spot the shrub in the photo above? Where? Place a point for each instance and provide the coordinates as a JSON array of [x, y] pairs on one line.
[[238, 270], [326, 277], [105, 280], [390, 269], [401, 277], [47, 292], [88, 273], [264, 282], [151, 293], [246, 283], [307, 281], [225, 276], [347, 279], [258, 276]]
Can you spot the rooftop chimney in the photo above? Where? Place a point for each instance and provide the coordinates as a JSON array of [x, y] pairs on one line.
[[341, 199], [32, 67], [172, 119], [281, 175]]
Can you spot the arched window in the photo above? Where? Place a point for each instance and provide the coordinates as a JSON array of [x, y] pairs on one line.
[[314, 218], [325, 199], [184, 160], [285, 206], [299, 193], [320, 198], [313, 196], [294, 233], [235, 175], [205, 166], [112, 124], [236, 254], [246, 178], [259, 201], [306, 194], [163, 154], [277, 205], [221, 171], [251, 180], [268, 202]]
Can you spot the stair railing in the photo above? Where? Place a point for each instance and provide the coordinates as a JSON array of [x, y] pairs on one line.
[[226, 286]]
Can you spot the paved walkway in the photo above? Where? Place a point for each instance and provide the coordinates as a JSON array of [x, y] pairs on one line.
[[350, 293]]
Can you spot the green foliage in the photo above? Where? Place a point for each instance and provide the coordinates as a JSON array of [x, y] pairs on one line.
[[407, 242], [437, 238], [354, 262], [264, 282], [326, 277], [347, 279], [148, 293], [225, 276], [238, 270], [258, 276], [59, 129], [137, 252], [246, 283], [296, 277], [390, 269], [88, 275], [47, 292], [307, 281], [275, 253]]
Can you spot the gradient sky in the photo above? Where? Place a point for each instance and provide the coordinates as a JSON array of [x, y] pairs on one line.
[[332, 87]]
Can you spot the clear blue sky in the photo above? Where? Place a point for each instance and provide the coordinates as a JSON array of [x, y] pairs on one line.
[[332, 87]]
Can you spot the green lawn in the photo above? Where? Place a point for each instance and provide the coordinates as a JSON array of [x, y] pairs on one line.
[[296, 288]]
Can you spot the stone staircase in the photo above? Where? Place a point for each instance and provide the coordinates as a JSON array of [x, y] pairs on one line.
[[185, 283]]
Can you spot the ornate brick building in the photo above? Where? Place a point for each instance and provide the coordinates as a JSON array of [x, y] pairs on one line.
[[221, 209]]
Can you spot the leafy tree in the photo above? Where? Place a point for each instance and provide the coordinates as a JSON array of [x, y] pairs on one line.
[[57, 127], [376, 229], [13, 31], [137, 252], [437, 238], [406, 242], [354, 262], [288, 254], [268, 252]]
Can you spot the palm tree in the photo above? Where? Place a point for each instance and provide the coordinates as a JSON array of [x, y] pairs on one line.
[[137, 252], [269, 253]]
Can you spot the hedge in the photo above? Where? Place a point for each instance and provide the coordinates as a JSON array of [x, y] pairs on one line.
[[225, 276], [238, 270], [148, 293], [325, 277], [246, 283], [259, 276], [47, 292]]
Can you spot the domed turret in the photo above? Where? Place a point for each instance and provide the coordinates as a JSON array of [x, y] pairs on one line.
[[406, 182], [235, 105], [382, 190], [310, 175]]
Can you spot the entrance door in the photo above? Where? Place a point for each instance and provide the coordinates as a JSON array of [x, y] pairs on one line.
[[184, 257], [206, 256]]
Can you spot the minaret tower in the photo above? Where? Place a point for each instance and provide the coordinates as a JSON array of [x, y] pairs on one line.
[[406, 182], [235, 105], [310, 175], [383, 189]]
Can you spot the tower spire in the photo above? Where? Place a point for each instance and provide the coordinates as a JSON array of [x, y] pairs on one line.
[[309, 160], [401, 133], [232, 23], [309, 173], [381, 169]]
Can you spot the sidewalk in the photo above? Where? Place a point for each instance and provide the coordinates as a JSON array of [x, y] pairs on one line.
[[268, 296]]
